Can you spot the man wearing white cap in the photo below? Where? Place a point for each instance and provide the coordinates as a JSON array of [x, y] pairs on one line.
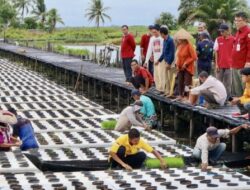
[[208, 147], [129, 117], [6, 139]]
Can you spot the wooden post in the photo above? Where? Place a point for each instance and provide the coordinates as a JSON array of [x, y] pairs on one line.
[[191, 126], [78, 78], [175, 119]]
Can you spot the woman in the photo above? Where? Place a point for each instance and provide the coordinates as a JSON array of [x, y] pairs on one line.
[[6, 139], [186, 57]]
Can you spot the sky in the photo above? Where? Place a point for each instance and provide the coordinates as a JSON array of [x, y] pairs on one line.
[[130, 12]]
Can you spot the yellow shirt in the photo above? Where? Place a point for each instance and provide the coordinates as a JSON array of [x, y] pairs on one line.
[[246, 95], [130, 149]]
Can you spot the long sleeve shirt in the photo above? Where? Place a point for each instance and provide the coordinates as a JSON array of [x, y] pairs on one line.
[[168, 51], [246, 95], [204, 145], [133, 118], [215, 87], [155, 48], [128, 46]]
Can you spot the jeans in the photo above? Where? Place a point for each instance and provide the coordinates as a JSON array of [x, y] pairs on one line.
[[213, 155], [126, 63], [134, 160], [151, 67], [137, 81]]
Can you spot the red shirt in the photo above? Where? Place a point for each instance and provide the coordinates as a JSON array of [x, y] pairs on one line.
[[128, 46], [145, 74], [241, 48], [225, 46], [144, 43]]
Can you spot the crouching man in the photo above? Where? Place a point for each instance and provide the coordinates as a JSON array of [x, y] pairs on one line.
[[125, 152], [208, 147]]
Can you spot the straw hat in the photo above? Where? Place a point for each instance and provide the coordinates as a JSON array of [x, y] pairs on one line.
[[7, 117], [182, 34]]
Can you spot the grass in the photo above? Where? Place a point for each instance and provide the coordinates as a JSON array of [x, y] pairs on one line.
[[108, 125], [175, 162]]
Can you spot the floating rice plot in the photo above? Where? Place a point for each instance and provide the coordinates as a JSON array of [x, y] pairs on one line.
[[94, 138], [28, 87], [57, 125], [15, 162]]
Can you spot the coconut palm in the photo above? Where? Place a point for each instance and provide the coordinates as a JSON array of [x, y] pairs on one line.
[[40, 12], [23, 6], [96, 12], [52, 19]]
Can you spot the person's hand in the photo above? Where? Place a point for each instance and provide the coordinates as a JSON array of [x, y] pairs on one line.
[[168, 67], [18, 143], [163, 164], [217, 69], [204, 166], [157, 63], [142, 57], [184, 66], [245, 126], [145, 65], [147, 128], [235, 101], [127, 167], [247, 64]]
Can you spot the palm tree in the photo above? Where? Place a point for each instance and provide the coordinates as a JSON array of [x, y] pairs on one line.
[[40, 12], [23, 6], [53, 19], [96, 12]]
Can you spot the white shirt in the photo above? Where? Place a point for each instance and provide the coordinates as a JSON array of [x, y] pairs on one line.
[[204, 145], [215, 86], [155, 48]]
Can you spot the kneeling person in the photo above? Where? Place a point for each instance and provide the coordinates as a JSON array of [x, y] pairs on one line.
[[213, 91], [125, 151], [208, 146]]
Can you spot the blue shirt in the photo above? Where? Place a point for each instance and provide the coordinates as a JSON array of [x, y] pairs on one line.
[[168, 52], [148, 108], [205, 51]]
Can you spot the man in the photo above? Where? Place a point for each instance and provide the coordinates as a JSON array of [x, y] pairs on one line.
[[241, 51], [24, 130], [148, 109], [129, 117], [243, 102], [125, 151], [208, 147], [202, 27], [205, 53], [223, 57], [167, 57], [127, 51], [142, 79], [155, 49], [211, 89], [144, 48]]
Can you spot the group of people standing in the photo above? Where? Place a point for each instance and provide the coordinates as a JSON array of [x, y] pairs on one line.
[[170, 63]]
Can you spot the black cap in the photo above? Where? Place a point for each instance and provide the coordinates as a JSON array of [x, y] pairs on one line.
[[213, 132], [245, 71], [223, 27], [135, 92], [150, 27], [157, 27]]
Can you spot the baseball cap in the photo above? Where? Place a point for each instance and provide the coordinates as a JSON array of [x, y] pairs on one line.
[[223, 27], [212, 132], [245, 71], [135, 92]]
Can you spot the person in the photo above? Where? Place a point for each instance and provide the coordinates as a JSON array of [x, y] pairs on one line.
[[24, 130], [125, 151], [243, 102], [6, 139], [142, 79], [167, 57], [205, 53], [155, 49], [186, 56], [129, 117], [127, 51], [202, 27], [223, 57], [240, 52], [211, 89], [148, 108], [208, 147], [144, 48]]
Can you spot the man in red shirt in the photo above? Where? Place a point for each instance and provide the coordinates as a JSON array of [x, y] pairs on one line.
[[142, 79], [223, 57], [241, 51], [127, 51], [144, 48]]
